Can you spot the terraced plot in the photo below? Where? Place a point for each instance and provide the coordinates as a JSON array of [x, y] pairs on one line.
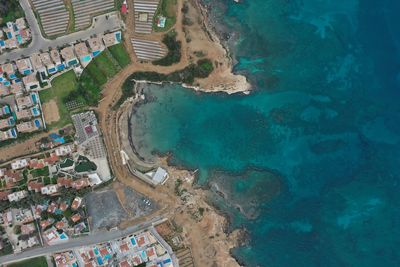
[[144, 13], [53, 14], [85, 9], [148, 50]]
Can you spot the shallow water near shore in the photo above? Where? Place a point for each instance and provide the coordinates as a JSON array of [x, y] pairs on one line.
[[309, 162]]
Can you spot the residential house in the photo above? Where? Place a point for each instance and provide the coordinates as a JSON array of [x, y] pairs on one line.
[[9, 69], [24, 66], [35, 186], [46, 59], [24, 102], [96, 45], [37, 62], [64, 150], [17, 196], [31, 82], [111, 39], [67, 53], [7, 123], [4, 90], [55, 56], [17, 88], [19, 164], [49, 189], [27, 229], [80, 183], [82, 52], [30, 126], [76, 203]]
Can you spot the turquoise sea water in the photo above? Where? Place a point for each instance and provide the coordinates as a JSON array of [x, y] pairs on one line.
[[309, 162]]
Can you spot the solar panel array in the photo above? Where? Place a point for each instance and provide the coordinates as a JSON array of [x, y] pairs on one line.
[[53, 15]]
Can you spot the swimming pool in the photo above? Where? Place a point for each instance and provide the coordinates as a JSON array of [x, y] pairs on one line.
[[19, 39], [100, 260], [13, 132], [27, 72], [95, 53], [13, 76], [118, 36], [6, 83], [62, 236], [72, 62], [6, 110], [38, 124], [2, 43], [96, 251], [61, 67], [9, 35], [34, 99], [133, 241], [35, 112], [52, 70], [86, 58]]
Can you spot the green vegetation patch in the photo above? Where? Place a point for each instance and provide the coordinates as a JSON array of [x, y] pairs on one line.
[[174, 50], [10, 10], [120, 54], [201, 69], [35, 262], [166, 8], [62, 86], [40, 172], [106, 65]]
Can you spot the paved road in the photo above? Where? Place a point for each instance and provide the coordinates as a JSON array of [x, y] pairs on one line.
[[93, 238], [100, 25]]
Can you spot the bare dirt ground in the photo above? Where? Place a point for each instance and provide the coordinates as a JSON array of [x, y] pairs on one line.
[[22, 148], [50, 111]]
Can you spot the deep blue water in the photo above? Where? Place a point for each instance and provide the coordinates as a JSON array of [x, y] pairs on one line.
[[312, 156]]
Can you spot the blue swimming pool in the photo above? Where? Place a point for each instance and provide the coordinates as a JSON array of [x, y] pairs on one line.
[[60, 67], [72, 62], [100, 260], [6, 110], [11, 121], [118, 36], [9, 35], [34, 99], [6, 83], [13, 132], [62, 236], [52, 70], [38, 124], [96, 251], [95, 53], [107, 257], [13, 76], [17, 81], [2, 43], [133, 241], [27, 72], [35, 112], [167, 261], [19, 39], [86, 58]]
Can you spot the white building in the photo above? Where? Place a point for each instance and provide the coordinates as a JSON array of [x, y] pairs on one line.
[[17, 196], [49, 189], [19, 164]]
